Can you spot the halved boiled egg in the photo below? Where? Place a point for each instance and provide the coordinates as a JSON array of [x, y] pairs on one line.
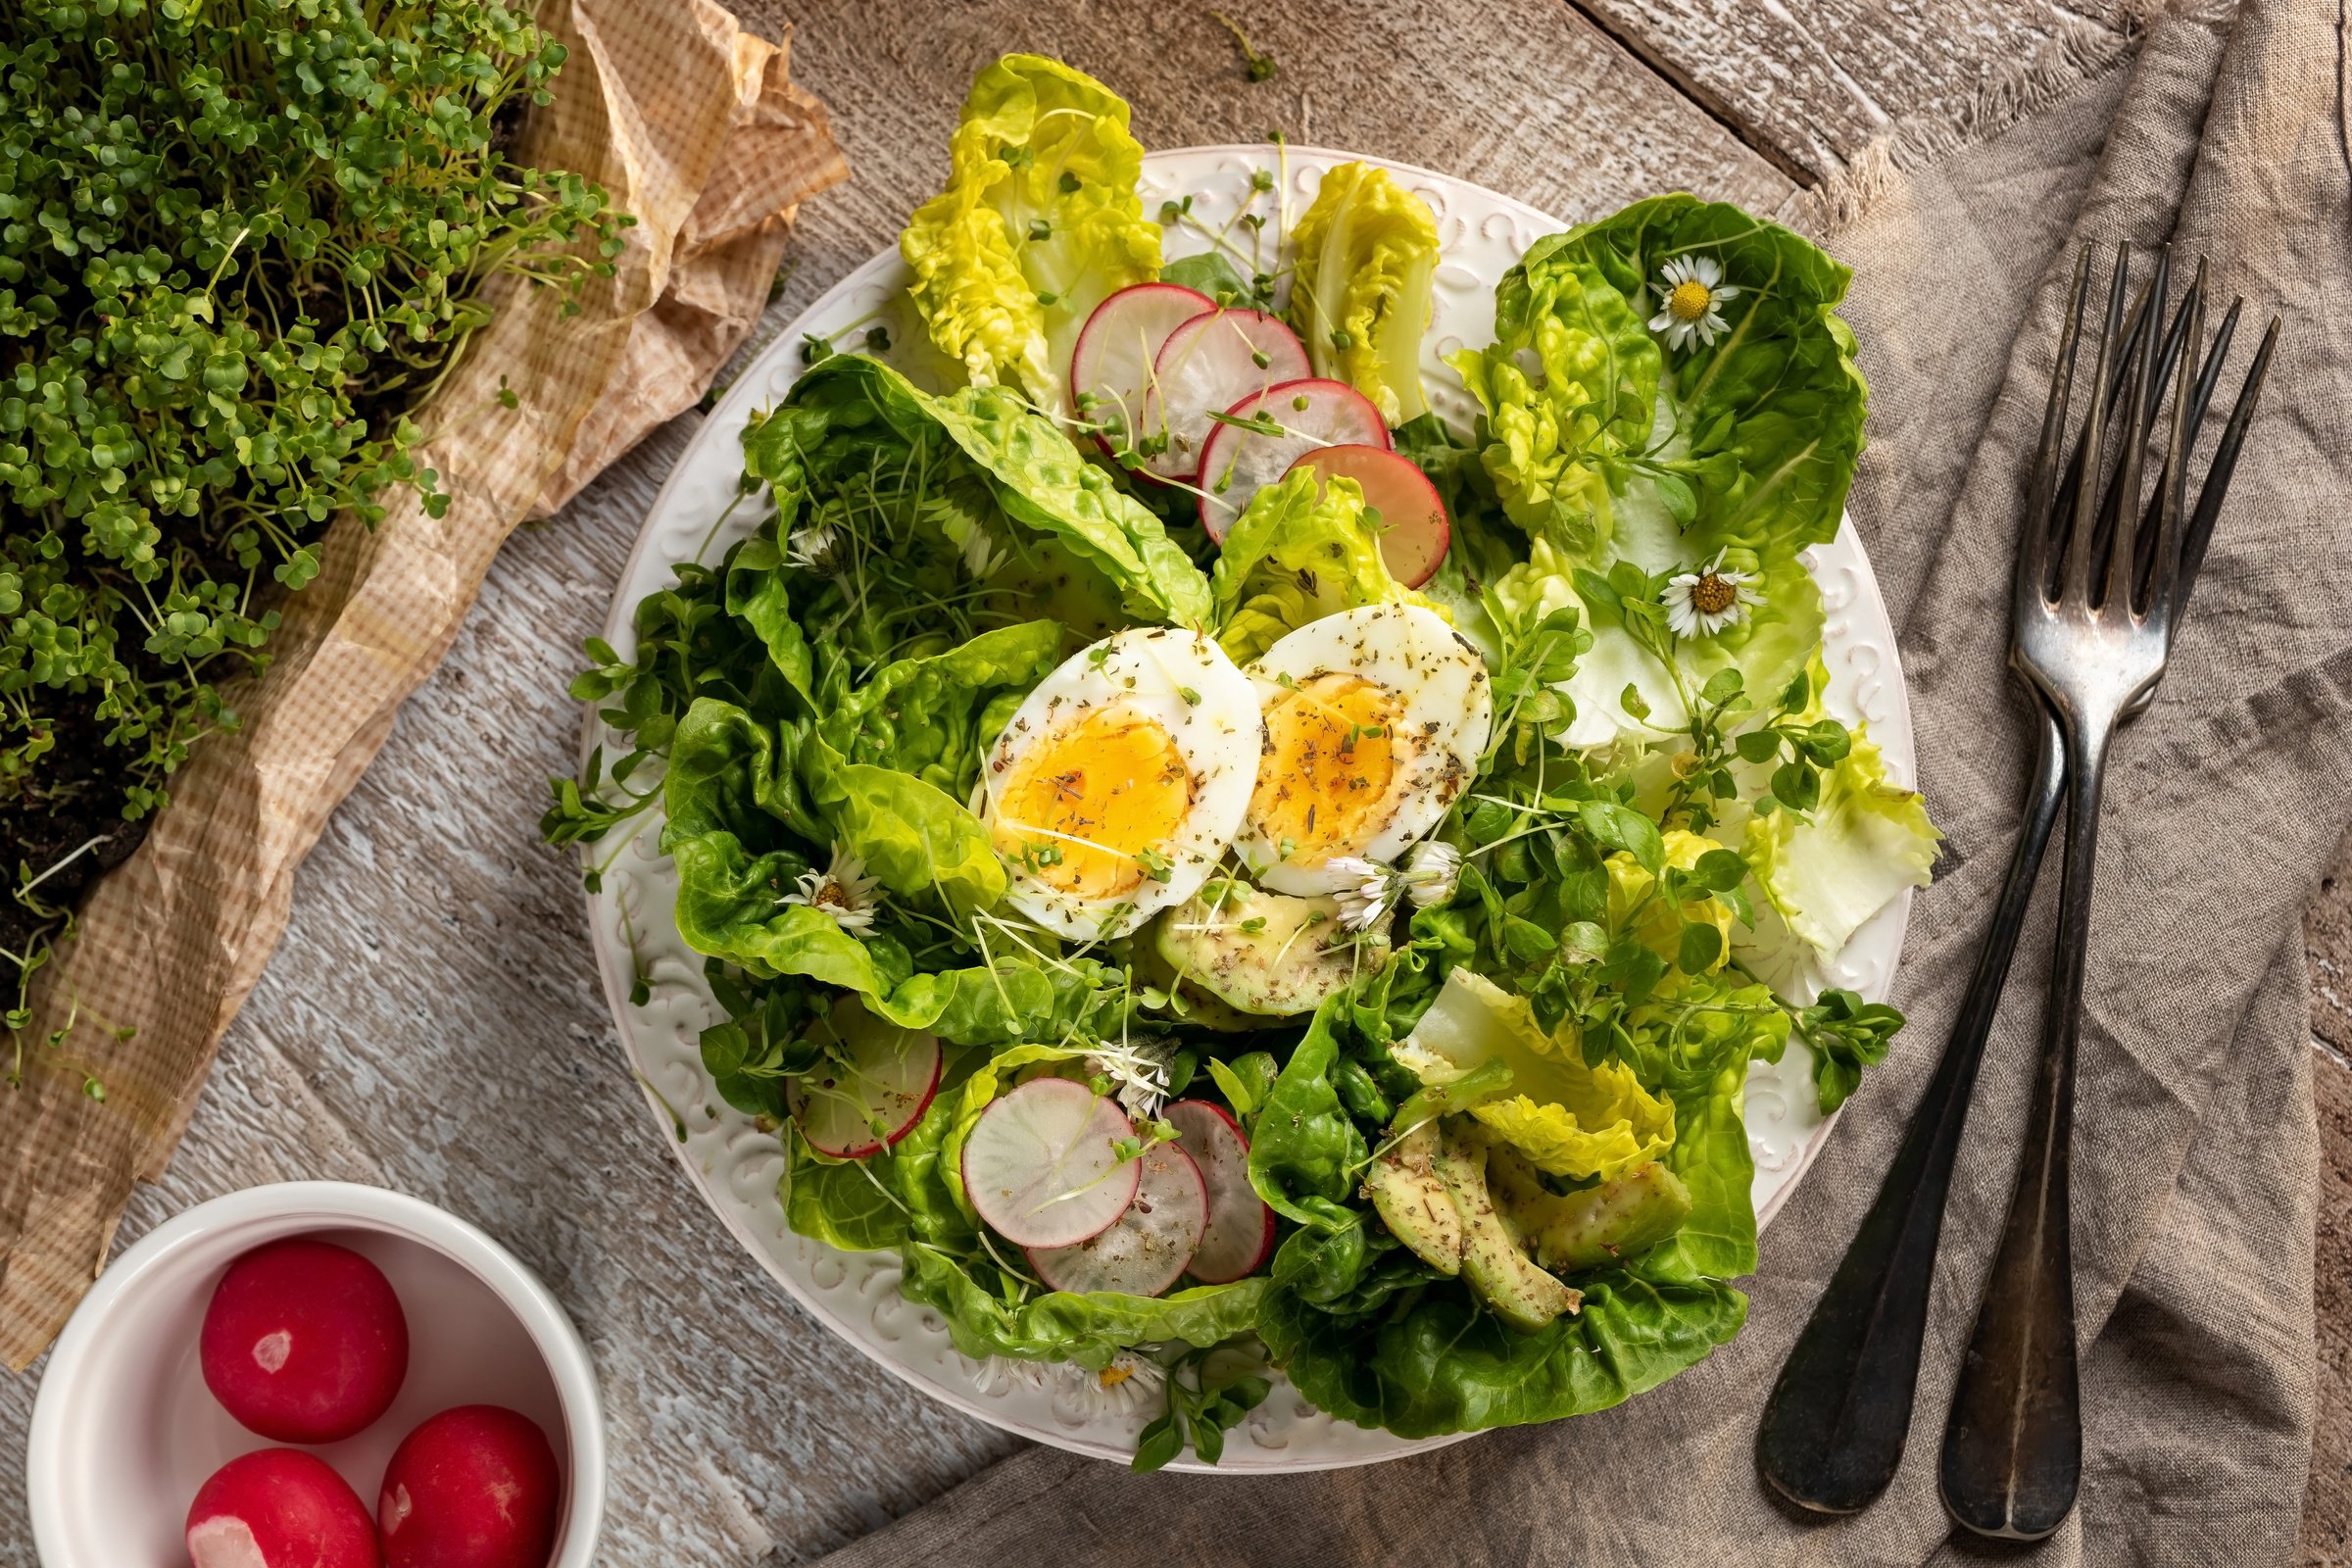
[[1120, 780], [1375, 721]]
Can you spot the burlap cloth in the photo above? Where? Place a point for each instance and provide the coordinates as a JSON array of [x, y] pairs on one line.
[[693, 125], [2195, 1158]]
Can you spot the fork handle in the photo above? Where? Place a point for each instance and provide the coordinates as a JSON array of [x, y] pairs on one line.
[[1833, 1428], [2012, 1443]]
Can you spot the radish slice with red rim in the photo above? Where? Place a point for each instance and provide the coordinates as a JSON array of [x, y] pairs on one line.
[[1042, 1165], [1413, 530], [1110, 368], [1240, 1227], [1150, 1245], [1208, 364], [875, 1084], [1311, 412]]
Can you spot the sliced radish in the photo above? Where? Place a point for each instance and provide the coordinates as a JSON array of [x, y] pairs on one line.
[[874, 1086], [1110, 370], [1208, 364], [1041, 1166], [1240, 1227], [1145, 1252], [1412, 517], [1313, 414]]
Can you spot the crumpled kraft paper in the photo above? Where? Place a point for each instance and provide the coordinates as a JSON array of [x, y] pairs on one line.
[[692, 124]]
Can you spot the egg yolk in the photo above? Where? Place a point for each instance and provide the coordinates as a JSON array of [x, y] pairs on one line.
[[1091, 809], [1330, 754]]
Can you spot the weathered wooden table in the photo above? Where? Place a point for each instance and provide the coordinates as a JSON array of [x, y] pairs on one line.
[[431, 1021]]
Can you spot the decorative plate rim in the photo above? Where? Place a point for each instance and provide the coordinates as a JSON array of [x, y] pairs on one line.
[[734, 1166]]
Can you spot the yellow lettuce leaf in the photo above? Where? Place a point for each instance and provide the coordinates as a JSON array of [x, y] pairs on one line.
[[1039, 223], [1570, 1119]]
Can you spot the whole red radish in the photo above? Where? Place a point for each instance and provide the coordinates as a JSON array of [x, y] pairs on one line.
[[279, 1508], [303, 1342], [470, 1487]]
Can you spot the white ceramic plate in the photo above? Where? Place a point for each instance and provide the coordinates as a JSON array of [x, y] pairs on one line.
[[736, 1166]]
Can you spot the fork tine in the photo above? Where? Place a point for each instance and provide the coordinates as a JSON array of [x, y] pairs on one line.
[[2199, 532], [2033, 537], [2075, 586], [2120, 513], [2192, 544], [2062, 512], [2212, 374], [2171, 485]]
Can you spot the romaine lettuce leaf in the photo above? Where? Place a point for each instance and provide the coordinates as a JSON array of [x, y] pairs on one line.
[[1367, 250], [1867, 841], [1039, 223], [1571, 1118]]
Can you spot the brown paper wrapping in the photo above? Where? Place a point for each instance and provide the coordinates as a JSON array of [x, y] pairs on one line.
[[693, 125]]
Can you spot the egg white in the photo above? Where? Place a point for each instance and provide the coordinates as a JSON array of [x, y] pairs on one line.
[[1447, 709], [1182, 681]]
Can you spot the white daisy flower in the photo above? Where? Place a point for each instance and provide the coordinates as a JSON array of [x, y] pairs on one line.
[[1139, 1074], [1432, 873], [1369, 893], [982, 557], [1688, 301], [841, 890], [1131, 1385], [811, 549], [1700, 603]]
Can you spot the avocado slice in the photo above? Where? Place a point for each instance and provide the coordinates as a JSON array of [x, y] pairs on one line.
[[1195, 1004], [1585, 1229], [1505, 1278], [1265, 953], [1413, 1204]]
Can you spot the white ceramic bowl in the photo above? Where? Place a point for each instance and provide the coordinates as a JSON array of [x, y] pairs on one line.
[[124, 1430]]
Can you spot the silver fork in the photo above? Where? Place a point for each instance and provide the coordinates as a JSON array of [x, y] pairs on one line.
[[1833, 1428], [2092, 609]]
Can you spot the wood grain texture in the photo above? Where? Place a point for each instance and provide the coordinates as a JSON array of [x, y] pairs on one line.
[[1808, 82], [2327, 948], [431, 1020]]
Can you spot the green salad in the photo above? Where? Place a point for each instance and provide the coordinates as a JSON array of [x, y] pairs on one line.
[[1220, 872]]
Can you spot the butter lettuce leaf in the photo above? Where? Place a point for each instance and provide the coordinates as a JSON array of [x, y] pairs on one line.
[[1039, 223], [1609, 447], [1303, 549], [1367, 251], [901, 1199], [1447, 1364], [930, 716], [1571, 1118], [1850, 856]]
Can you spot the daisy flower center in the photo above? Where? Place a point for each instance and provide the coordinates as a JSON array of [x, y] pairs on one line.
[[1712, 594], [1690, 300], [833, 896]]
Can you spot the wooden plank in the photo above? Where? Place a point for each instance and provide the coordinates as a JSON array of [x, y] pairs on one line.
[[1523, 95], [2328, 1507], [1808, 82]]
